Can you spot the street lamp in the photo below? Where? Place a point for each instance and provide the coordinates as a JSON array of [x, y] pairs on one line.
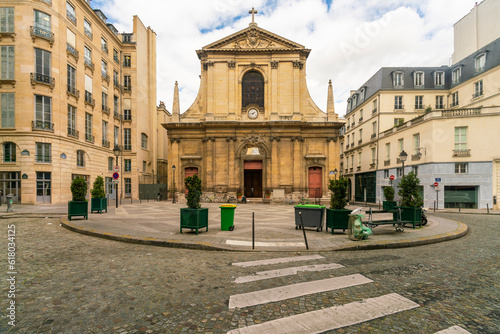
[[116, 151], [335, 173], [402, 157], [173, 180]]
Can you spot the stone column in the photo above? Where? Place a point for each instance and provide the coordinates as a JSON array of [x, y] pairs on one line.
[[275, 157], [231, 164]]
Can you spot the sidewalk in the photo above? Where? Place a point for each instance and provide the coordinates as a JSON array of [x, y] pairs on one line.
[[157, 223]]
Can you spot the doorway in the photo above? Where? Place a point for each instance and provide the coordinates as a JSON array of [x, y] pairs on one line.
[[315, 186], [252, 179], [190, 171], [43, 189]]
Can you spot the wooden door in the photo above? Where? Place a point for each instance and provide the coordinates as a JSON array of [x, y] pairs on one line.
[[190, 171], [315, 186]]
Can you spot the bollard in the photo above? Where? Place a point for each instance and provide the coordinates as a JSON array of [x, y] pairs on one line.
[[488, 208], [459, 206], [147, 196], [140, 198], [304, 230], [253, 231], [434, 206]]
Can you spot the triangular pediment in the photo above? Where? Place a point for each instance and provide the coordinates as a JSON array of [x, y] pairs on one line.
[[252, 38]]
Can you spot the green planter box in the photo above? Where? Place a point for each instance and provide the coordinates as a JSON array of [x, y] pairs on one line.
[[194, 219], [77, 209], [312, 216], [413, 215], [98, 205], [389, 205], [337, 219]]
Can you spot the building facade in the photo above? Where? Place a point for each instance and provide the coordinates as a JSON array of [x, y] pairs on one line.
[[444, 118], [253, 129], [70, 92]]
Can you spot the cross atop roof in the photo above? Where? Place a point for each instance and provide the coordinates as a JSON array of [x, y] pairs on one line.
[[253, 12]]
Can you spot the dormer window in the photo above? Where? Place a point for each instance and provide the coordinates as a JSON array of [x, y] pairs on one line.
[[397, 79], [418, 79], [479, 62], [456, 75], [362, 94], [354, 104], [439, 79]]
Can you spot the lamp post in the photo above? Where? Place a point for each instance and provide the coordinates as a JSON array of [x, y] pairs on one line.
[[116, 151], [173, 180], [402, 156], [335, 173]]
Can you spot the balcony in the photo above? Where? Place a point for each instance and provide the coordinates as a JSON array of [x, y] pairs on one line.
[[88, 33], [70, 50], [461, 153], [71, 17], [42, 126], [387, 162], [89, 138], [374, 111], [89, 64], [105, 143], [127, 117], [116, 83], [358, 168], [73, 92], [352, 144], [372, 165], [373, 135], [360, 120], [347, 147], [461, 112], [439, 106], [360, 141], [37, 78], [37, 32], [88, 99], [416, 156], [105, 76], [117, 115], [105, 110], [127, 88], [73, 133]]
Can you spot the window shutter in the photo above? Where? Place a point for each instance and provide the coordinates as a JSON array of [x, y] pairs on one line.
[[88, 84], [71, 38]]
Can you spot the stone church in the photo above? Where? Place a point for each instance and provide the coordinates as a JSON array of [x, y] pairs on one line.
[[253, 128]]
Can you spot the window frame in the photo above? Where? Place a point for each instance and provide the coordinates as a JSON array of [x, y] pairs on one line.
[[398, 79], [88, 126], [71, 119], [8, 110], [398, 105], [9, 152], [441, 100], [80, 158], [460, 138], [461, 168], [418, 79], [8, 57], [71, 12], [456, 75], [144, 141], [127, 165], [419, 102], [478, 88], [480, 62], [439, 79], [127, 139], [8, 16], [43, 152], [454, 99]]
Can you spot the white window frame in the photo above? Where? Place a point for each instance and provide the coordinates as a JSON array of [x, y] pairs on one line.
[[144, 141], [111, 163], [7, 62], [70, 12], [398, 79], [461, 168], [7, 20], [454, 99], [80, 158], [8, 110], [461, 138], [401, 145], [127, 165], [127, 139], [416, 143], [398, 102], [71, 118], [419, 102], [480, 62], [388, 151], [478, 88], [87, 28], [88, 126], [456, 75], [439, 102], [418, 79], [439, 79], [43, 152]]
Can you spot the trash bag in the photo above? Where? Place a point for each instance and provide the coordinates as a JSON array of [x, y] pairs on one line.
[[359, 231]]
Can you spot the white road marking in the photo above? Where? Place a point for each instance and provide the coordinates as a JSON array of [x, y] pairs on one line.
[[264, 244], [453, 330], [334, 317], [285, 272], [295, 290], [278, 260]]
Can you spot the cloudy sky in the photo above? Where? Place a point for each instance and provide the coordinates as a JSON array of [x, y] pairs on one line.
[[350, 39]]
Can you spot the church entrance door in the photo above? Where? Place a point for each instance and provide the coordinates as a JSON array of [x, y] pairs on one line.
[[253, 179], [190, 171], [315, 190]]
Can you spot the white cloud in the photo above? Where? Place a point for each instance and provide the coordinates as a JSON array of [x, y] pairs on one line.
[[349, 43]]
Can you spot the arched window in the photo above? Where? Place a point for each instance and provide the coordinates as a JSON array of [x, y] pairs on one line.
[[80, 158], [252, 89]]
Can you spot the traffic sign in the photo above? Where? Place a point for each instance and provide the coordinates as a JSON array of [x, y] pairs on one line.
[[116, 169], [437, 179], [436, 184], [115, 181], [116, 176], [392, 177]]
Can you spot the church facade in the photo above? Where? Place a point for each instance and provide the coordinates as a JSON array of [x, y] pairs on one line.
[[253, 129]]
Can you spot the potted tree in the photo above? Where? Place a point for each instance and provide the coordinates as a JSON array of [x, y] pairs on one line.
[[337, 217], [389, 202], [79, 206], [98, 202], [194, 216], [410, 200]]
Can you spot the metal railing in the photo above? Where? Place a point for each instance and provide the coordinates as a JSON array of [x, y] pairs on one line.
[[461, 153], [105, 110], [88, 33], [89, 99], [42, 125], [73, 133], [73, 91], [42, 33], [71, 17], [89, 138], [42, 79], [88, 63], [71, 50], [105, 143]]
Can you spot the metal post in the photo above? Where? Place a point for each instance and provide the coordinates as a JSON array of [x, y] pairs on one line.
[[147, 196], [253, 230], [459, 206], [434, 206], [303, 230], [488, 208]]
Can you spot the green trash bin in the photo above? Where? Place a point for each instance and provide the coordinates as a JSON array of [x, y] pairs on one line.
[[227, 217]]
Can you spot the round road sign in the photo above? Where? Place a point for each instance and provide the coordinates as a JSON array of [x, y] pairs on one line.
[[436, 184], [116, 176], [392, 177]]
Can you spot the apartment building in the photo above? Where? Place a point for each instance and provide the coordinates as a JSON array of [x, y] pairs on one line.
[[444, 118], [72, 88]]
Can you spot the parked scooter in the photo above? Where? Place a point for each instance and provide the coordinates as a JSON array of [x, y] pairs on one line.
[[424, 217]]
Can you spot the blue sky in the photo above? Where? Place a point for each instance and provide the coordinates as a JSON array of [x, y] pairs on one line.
[[350, 39]]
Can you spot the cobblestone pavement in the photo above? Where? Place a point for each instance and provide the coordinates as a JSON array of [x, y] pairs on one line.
[[72, 283]]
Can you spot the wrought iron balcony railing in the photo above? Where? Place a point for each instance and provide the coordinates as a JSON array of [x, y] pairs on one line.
[[73, 133], [38, 32], [73, 91], [42, 125], [38, 78]]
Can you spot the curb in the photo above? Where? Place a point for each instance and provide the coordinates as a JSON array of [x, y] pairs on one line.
[[461, 231]]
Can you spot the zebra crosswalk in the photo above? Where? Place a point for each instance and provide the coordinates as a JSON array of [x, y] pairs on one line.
[[320, 320]]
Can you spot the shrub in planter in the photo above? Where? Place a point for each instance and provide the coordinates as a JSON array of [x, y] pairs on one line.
[[337, 217], [79, 205], [99, 202], [410, 199], [389, 202], [193, 217]]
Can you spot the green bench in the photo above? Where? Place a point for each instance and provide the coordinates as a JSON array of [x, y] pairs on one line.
[[397, 221]]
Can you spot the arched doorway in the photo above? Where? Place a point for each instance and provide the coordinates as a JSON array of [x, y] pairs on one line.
[[315, 184], [252, 178], [190, 171]]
